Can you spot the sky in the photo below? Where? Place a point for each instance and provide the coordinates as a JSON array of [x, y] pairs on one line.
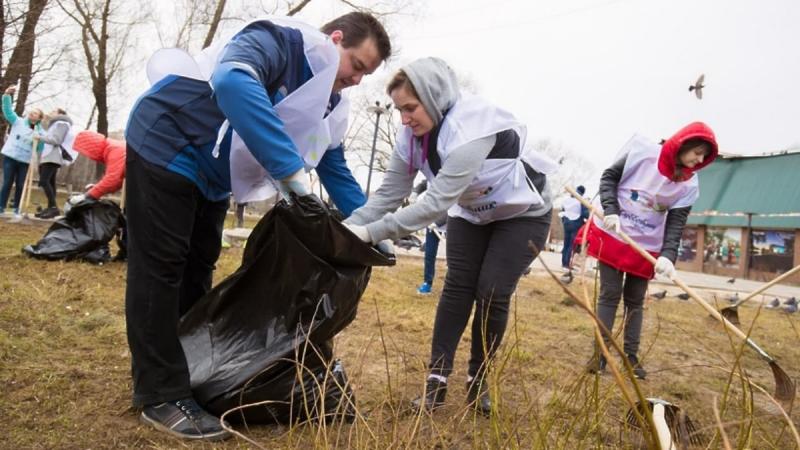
[[590, 73]]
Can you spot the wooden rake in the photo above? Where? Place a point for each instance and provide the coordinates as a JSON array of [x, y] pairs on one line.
[[731, 312], [784, 386]]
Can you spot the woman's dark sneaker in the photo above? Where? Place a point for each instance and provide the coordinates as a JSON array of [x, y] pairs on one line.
[[185, 419], [478, 396], [638, 370], [433, 397], [597, 364]]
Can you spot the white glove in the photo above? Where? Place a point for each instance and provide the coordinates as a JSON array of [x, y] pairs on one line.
[[88, 187], [297, 183], [664, 267], [611, 222], [386, 247], [360, 232], [412, 198], [77, 198], [562, 214]]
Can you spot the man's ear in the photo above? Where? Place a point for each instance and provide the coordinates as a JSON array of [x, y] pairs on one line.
[[337, 36]]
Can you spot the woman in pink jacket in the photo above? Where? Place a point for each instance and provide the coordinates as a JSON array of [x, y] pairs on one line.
[[110, 152]]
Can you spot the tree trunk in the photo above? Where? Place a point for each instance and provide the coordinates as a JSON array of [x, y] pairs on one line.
[[212, 28], [20, 65]]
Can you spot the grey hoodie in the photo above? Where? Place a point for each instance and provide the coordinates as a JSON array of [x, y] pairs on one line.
[[56, 133], [435, 83], [437, 87]]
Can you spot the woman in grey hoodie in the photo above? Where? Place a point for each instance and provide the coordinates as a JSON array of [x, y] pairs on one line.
[[495, 193], [52, 158]]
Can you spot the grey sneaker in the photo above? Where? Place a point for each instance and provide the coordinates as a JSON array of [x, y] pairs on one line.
[[185, 419]]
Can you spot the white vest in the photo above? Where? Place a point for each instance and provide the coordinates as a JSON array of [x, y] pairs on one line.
[[302, 111], [572, 208], [69, 140], [501, 189], [645, 196]]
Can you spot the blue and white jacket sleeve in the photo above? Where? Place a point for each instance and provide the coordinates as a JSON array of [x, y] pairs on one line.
[[252, 61], [338, 180]]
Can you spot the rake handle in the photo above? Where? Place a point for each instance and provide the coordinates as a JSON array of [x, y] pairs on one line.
[[767, 286], [25, 198], [674, 278]]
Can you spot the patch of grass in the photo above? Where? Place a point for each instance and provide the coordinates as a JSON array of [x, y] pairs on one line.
[[65, 367]]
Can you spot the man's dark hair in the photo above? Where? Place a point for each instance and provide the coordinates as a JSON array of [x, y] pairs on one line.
[[62, 111], [581, 190], [358, 26]]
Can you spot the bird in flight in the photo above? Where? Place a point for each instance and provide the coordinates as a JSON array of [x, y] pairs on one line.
[[698, 86]]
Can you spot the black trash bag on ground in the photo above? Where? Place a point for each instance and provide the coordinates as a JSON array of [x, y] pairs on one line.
[[84, 233], [299, 284]]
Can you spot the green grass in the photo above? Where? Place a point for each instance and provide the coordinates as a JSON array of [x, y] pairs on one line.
[[64, 367]]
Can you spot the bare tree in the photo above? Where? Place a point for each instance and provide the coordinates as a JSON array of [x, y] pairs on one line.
[[103, 51], [20, 65], [574, 168], [212, 27]]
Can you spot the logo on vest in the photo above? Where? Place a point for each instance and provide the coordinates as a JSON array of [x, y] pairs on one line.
[[647, 203], [637, 221], [482, 208]]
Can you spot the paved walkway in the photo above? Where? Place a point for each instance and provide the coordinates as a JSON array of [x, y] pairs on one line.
[[697, 280]]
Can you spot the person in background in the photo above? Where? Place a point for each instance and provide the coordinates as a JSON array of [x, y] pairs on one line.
[[573, 215], [647, 194], [271, 94], [432, 239], [58, 128], [17, 150], [104, 150], [473, 155]]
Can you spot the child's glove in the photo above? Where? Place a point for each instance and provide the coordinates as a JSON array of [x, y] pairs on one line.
[[77, 198]]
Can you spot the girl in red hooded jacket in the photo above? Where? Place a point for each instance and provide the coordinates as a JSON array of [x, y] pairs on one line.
[[110, 152], [647, 194]]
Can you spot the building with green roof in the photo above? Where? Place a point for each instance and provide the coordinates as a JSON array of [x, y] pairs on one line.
[[746, 222]]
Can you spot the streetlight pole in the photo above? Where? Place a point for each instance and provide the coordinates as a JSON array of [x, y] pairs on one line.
[[378, 110]]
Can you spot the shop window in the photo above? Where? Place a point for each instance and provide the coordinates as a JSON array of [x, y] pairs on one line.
[[687, 251], [723, 247], [773, 251]]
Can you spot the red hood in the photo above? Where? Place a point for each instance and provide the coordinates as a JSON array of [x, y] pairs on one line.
[[669, 150]]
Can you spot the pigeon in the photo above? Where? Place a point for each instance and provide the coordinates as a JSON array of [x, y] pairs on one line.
[[659, 295], [790, 309], [698, 86], [732, 280], [683, 296], [790, 301], [733, 298], [773, 304]]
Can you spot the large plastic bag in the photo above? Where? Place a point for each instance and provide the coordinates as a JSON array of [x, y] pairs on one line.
[[264, 333], [84, 233]]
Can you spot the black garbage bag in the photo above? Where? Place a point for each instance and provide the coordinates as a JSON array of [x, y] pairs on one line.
[[84, 233], [263, 334]]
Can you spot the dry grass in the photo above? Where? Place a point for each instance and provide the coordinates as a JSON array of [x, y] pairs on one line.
[[64, 367]]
